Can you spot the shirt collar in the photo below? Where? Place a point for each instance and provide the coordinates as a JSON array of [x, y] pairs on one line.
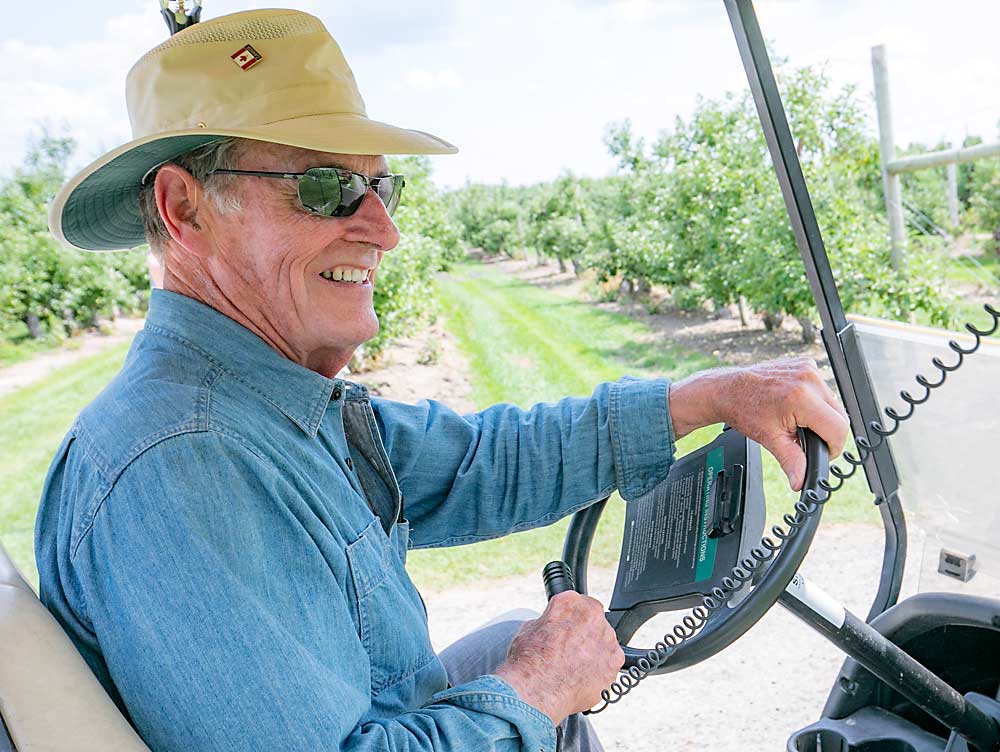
[[301, 394]]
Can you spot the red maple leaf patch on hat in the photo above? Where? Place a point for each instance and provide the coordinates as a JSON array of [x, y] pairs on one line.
[[246, 57]]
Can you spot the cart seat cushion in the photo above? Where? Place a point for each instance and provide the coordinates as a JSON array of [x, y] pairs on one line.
[[49, 698]]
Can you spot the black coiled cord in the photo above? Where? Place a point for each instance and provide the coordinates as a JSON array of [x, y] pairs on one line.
[[760, 555]]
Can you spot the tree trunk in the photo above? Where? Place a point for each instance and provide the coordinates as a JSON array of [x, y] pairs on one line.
[[642, 285], [744, 312], [34, 325], [562, 264], [625, 288], [808, 330], [576, 267], [773, 320], [70, 324]]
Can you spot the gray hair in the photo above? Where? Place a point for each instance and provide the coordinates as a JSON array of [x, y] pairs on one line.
[[201, 163]]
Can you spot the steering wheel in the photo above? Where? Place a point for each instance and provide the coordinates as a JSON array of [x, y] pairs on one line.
[[774, 568]]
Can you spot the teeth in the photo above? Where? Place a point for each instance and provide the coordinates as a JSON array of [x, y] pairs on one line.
[[346, 274]]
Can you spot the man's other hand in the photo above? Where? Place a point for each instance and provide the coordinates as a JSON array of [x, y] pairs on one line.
[[560, 662], [767, 402]]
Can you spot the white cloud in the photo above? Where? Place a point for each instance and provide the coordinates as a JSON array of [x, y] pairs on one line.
[[80, 84], [429, 80]]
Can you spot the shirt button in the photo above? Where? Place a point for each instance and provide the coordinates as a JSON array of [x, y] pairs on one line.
[[337, 393], [350, 464]]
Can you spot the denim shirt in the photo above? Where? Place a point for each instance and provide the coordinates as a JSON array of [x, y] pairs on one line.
[[230, 561]]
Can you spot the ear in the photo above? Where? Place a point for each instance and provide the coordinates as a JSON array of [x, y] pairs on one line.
[[178, 197]]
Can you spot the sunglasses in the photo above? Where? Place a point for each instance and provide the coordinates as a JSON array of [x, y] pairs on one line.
[[333, 192]]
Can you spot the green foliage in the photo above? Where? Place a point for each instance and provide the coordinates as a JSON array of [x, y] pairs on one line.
[[404, 294], [423, 210], [925, 194], [47, 290], [984, 199], [555, 220], [966, 170], [429, 242], [490, 218]]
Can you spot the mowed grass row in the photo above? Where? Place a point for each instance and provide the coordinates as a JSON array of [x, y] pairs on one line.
[[525, 345]]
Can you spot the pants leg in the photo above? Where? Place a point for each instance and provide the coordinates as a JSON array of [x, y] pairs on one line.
[[480, 653]]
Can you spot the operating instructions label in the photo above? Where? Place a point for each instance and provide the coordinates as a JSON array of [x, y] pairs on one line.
[[666, 531]]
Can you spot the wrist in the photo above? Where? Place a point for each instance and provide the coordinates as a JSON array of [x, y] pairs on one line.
[[695, 402], [531, 691]]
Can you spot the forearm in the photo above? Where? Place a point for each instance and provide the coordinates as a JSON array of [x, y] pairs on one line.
[[507, 469]]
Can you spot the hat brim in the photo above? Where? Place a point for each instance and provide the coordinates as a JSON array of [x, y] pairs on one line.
[[98, 210]]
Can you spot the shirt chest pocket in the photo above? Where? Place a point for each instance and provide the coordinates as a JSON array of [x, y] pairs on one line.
[[391, 620]]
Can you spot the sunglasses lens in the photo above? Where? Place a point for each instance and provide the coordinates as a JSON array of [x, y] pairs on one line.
[[320, 191], [353, 188], [390, 189], [338, 193]]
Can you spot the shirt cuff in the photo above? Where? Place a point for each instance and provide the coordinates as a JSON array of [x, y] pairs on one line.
[[491, 694], [642, 434]]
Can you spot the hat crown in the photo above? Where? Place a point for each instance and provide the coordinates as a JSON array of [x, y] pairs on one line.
[[193, 80]]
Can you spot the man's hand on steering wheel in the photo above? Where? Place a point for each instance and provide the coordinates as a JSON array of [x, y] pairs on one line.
[[766, 402], [561, 661]]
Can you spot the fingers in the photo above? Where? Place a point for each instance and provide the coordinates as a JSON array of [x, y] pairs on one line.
[[828, 423], [791, 458], [814, 405]]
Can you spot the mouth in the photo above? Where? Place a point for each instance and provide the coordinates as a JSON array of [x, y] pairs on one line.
[[348, 275]]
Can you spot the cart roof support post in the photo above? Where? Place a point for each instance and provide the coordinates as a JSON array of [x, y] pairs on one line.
[[839, 336]]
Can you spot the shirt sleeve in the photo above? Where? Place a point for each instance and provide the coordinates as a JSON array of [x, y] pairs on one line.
[[502, 470], [225, 625]]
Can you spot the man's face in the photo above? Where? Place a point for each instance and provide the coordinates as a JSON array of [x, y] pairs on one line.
[[270, 257]]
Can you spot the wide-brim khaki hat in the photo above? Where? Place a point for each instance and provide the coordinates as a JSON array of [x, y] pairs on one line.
[[269, 75]]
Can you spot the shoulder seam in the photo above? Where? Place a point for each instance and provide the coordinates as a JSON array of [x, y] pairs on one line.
[[189, 427]]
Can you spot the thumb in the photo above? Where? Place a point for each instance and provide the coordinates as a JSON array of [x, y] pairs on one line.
[[791, 458]]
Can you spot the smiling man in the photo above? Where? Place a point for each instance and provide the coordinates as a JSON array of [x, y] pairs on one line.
[[223, 532]]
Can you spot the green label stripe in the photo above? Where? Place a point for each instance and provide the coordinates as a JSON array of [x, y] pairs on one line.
[[705, 561]]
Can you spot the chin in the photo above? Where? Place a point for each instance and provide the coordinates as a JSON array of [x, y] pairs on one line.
[[344, 336]]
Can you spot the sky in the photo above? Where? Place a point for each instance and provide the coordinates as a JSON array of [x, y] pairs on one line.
[[524, 88]]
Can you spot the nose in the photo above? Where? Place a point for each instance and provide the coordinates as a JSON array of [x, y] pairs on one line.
[[372, 224]]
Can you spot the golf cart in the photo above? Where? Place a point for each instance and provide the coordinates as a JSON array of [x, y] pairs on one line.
[[924, 672]]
